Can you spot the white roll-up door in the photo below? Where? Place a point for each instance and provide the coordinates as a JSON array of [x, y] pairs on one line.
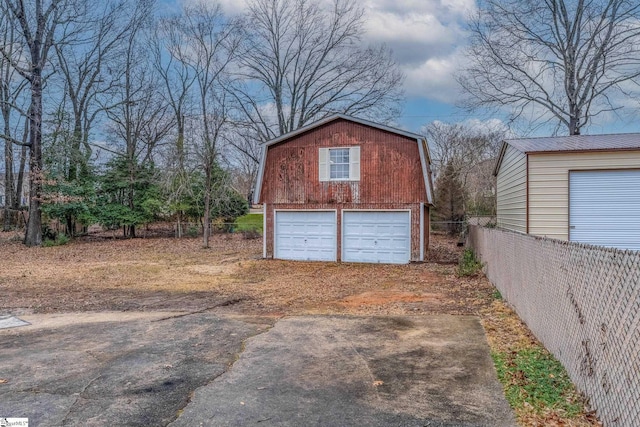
[[305, 235], [604, 208], [376, 236]]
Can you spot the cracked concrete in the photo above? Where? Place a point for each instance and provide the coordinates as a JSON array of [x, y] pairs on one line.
[[96, 369], [199, 368], [355, 371]]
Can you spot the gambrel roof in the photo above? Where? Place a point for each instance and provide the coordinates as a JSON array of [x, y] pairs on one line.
[[423, 148]]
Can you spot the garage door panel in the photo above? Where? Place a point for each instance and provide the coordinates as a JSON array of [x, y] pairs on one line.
[[305, 236], [376, 237], [604, 207]]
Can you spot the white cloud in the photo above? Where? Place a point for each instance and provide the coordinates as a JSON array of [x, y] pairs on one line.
[[433, 78], [478, 126], [233, 7], [425, 36]]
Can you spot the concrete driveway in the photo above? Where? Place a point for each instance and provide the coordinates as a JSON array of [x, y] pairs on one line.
[[158, 369]]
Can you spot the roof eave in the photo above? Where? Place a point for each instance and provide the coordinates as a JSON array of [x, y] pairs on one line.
[[333, 117], [590, 150], [503, 149]]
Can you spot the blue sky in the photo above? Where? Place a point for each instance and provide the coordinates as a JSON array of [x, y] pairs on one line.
[[428, 39]]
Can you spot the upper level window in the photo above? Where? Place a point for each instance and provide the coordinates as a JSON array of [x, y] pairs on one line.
[[339, 164]]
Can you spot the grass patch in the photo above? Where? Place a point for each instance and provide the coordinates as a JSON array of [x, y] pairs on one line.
[[250, 223], [535, 384], [469, 264], [534, 380]]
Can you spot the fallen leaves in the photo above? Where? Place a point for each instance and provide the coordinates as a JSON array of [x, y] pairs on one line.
[[178, 274]]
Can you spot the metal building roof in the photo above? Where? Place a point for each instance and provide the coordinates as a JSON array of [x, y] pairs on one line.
[[568, 144], [622, 141]]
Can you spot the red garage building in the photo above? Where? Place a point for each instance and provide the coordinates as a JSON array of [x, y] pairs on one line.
[[346, 189]]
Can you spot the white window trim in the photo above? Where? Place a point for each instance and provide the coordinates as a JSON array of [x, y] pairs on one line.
[[347, 164], [324, 164]]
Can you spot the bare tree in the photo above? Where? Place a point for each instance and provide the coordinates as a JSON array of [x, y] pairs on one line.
[[140, 119], [12, 90], [86, 68], [37, 22], [302, 62], [208, 43], [567, 59], [244, 157], [178, 78], [467, 152], [176, 74]]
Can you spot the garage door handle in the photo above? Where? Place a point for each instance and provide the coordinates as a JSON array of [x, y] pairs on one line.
[[573, 227]]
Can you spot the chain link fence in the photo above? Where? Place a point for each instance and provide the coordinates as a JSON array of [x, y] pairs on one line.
[[583, 303]]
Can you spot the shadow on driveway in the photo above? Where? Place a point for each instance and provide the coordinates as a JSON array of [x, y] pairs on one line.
[[346, 371], [142, 369], [114, 369]]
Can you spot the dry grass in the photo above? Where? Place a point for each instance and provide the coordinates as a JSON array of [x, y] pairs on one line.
[[178, 274]]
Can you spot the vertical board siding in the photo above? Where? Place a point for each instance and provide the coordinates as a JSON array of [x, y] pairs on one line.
[[549, 185], [512, 191], [390, 167], [391, 177]]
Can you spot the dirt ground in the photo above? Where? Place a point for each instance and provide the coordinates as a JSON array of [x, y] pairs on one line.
[[178, 274], [104, 274]]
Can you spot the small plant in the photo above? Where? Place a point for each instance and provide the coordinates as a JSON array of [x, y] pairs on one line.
[[468, 264], [61, 239], [193, 231], [496, 294]]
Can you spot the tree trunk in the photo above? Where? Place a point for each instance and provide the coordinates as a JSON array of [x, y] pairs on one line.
[[207, 208], [33, 235], [8, 177], [574, 129], [71, 226], [17, 200]]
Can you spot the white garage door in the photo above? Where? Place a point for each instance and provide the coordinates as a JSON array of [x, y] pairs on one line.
[[604, 208], [376, 236], [305, 236]]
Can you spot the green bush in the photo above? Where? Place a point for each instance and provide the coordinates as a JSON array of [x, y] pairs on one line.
[[61, 239], [469, 264], [193, 231]]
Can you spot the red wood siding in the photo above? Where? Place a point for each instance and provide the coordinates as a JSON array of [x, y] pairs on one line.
[[390, 168], [413, 207]]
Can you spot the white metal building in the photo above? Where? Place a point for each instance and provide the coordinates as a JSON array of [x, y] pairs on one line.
[[583, 188]]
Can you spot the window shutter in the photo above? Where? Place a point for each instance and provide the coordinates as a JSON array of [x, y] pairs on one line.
[[354, 164], [323, 166]]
